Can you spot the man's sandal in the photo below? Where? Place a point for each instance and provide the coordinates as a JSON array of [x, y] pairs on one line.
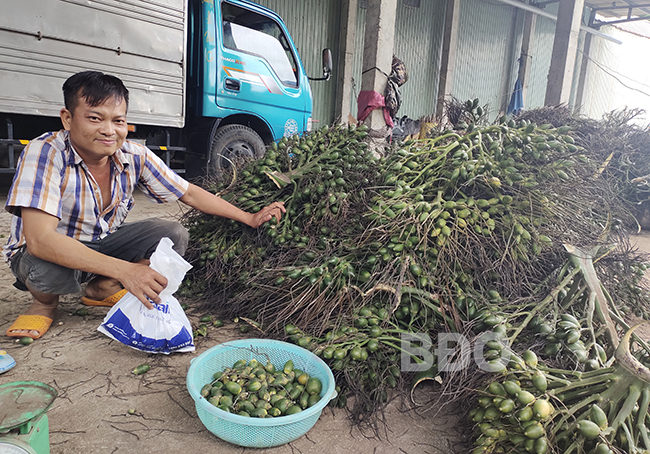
[[108, 302], [6, 361], [28, 323]]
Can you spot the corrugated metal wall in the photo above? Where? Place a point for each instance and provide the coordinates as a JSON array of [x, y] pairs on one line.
[[599, 84], [418, 43], [617, 75], [511, 61], [313, 25], [484, 58], [576, 68], [358, 58], [541, 51], [486, 66], [489, 43]]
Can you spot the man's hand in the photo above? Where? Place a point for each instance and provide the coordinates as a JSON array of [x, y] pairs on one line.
[[143, 282], [274, 210], [208, 203]]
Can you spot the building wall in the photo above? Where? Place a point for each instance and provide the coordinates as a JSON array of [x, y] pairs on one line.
[[487, 58], [484, 60], [600, 86], [489, 44], [541, 51], [418, 43], [618, 74], [358, 58]]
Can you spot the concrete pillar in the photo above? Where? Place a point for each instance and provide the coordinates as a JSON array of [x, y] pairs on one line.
[[526, 57], [565, 47], [346, 59], [448, 60], [378, 53], [584, 68]]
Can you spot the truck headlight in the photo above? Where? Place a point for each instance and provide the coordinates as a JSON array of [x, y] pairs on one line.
[[309, 124]]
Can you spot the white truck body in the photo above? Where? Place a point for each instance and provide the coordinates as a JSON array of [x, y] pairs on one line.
[[140, 41]]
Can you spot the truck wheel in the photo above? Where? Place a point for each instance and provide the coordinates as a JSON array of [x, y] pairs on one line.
[[234, 144]]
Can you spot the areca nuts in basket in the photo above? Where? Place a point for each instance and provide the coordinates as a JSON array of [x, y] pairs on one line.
[[254, 389]]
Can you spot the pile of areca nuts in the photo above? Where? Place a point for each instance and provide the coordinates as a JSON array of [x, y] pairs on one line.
[[518, 229]]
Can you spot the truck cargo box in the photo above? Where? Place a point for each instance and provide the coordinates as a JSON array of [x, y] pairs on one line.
[[142, 42]]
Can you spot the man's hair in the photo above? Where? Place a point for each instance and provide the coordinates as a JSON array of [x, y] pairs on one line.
[[94, 87]]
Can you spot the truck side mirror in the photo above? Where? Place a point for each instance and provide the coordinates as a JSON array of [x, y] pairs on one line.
[[327, 63], [327, 66]]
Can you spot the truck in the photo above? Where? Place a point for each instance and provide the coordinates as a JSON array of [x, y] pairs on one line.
[[210, 82]]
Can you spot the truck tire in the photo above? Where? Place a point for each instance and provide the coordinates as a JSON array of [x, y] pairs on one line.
[[233, 144]]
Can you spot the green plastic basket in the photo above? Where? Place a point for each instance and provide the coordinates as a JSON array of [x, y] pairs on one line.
[[257, 432]]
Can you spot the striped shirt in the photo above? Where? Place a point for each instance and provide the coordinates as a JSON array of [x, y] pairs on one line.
[[52, 177]]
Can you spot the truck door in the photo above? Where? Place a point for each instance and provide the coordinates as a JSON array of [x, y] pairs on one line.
[[259, 70]]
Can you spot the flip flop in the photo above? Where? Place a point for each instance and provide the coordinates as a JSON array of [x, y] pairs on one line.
[[108, 302], [6, 361], [38, 323]]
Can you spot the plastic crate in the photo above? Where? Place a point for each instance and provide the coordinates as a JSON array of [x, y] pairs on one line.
[[250, 431]]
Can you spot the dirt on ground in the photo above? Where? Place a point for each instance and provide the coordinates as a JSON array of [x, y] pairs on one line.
[[103, 408]]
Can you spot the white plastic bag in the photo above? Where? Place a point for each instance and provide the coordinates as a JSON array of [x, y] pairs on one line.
[[163, 329]]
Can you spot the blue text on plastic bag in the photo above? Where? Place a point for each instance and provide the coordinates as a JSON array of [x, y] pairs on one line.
[[165, 328]]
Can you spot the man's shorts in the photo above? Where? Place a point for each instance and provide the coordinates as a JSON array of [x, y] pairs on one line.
[[131, 242]]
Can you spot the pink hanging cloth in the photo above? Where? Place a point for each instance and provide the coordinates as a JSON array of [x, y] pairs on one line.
[[370, 100]]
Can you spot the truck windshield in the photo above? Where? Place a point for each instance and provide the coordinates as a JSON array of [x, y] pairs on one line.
[[252, 33]]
